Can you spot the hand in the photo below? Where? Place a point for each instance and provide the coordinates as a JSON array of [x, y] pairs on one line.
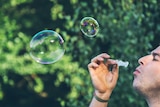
[[103, 80]]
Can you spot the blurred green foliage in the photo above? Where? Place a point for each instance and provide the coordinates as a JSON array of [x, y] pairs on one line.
[[129, 29]]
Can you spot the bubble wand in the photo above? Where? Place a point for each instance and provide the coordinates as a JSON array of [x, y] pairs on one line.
[[122, 63]]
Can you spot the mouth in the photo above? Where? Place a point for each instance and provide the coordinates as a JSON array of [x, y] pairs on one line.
[[136, 72]]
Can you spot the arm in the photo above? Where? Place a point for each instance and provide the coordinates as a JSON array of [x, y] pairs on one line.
[[103, 80]]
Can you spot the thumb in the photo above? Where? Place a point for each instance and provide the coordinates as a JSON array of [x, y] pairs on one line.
[[115, 69], [115, 72]]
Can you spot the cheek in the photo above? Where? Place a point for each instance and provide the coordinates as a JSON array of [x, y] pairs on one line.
[[152, 75]]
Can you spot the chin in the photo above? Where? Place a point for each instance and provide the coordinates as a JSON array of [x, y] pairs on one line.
[[136, 84], [138, 87]]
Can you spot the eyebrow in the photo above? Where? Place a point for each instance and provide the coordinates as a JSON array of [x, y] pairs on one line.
[[154, 53]]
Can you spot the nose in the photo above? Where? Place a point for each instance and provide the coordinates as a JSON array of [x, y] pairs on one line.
[[140, 61], [145, 59]]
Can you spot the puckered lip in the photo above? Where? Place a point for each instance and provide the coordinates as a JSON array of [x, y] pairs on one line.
[[136, 72]]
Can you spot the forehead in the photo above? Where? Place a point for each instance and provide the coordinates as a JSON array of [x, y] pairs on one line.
[[157, 50]]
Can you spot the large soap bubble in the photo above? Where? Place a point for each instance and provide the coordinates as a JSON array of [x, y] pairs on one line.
[[47, 47]]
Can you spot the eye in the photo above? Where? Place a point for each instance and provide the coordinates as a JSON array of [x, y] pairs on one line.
[[155, 57]]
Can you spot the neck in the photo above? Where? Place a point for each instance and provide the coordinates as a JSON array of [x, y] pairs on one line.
[[153, 100], [153, 103]]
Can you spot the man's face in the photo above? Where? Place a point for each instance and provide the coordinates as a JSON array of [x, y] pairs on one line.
[[147, 74]]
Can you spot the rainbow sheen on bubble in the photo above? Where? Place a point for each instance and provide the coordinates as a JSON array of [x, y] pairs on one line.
[[47, 47], [89, 26]]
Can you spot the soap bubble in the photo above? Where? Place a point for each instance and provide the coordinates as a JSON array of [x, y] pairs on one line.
[[89, 26], [47, 47]]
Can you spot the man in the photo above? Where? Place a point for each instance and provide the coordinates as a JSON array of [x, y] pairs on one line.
[[146, 78]]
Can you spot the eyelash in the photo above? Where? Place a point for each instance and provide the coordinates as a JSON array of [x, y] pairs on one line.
[[154, 57]]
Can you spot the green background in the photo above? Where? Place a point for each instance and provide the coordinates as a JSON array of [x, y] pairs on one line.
[[129, 29]]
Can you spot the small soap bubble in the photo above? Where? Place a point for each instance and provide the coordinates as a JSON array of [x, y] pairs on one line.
[[47, 47], [89, 26]]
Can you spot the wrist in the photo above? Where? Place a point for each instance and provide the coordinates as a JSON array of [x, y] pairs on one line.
[[105, 95], [100, 99]]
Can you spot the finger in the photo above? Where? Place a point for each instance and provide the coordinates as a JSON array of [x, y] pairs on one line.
[[95, 68], [110, 62], [92, 68], [92, 65], [100, 57]]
